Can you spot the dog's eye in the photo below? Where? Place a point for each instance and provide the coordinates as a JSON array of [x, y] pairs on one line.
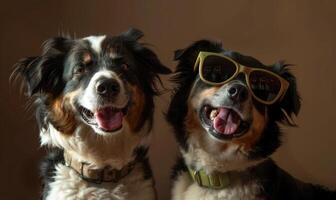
[[78, 70]]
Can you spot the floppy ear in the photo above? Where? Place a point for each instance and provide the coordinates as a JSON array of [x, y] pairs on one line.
[[133, 34], [291, 102], [149, 65], [178, 53], [150, 59], [184, 77], [43, 74], [144, 54], [150, 69], [190, 53]]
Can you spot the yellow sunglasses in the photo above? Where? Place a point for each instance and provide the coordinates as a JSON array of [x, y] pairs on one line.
[[216, 69]]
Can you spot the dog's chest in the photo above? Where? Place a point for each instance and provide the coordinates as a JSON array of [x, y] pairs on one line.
[[185, 189], [68, 185]]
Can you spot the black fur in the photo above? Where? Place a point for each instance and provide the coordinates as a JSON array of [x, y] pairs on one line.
[[54, 73], [47, 168], [140, 154], [277, 183], [184, 77], [49, 75], [178, 168]]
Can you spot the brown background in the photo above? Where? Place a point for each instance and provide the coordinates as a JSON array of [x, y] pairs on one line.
[[302, 32]]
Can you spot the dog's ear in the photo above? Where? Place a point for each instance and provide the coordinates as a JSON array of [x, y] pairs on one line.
[[144, 54], [43, 74], [133, 34], [178, 53], [184, 72], [184, 77], [152, 61], [149, 69], [148, 65], [190, 53], [290, 104]]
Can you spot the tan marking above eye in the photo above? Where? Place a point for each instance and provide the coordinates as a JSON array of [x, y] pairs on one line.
[[111, 52], [87, 58], [124, 66]]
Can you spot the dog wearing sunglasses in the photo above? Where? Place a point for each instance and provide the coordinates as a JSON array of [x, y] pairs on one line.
[[94, 100], [225, 112]]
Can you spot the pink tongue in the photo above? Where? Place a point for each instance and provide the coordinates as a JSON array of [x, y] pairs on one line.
[[226, 122], [109, 119]]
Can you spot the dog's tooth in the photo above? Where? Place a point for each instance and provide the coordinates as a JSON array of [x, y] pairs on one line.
[[213, 114]]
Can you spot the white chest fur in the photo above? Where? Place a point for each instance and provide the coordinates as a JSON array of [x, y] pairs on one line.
[[69, 186], [185, 189]]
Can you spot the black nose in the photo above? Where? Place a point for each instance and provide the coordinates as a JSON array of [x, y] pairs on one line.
[[107, 87], [237, 92]]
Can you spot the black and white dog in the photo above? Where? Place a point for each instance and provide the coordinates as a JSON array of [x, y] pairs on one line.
[[225, 113], [94, 99]]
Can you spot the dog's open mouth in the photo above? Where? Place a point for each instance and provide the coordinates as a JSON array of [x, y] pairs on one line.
[[224, 122], [108, 119]]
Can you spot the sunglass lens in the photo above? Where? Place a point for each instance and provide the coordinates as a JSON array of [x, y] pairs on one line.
[[217, 69], [264, 85]]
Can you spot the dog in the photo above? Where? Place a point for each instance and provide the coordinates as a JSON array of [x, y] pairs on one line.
[[94, 107], [225, 111]]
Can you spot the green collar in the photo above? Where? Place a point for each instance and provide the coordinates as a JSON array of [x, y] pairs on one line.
[[216, 180]]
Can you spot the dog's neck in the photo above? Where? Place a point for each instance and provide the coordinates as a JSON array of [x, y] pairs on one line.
[[220, 180], [231, 160], [86, 146], [91, 173]]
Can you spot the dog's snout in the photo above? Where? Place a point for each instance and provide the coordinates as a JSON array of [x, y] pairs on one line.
[[238, 92], [107, 87]]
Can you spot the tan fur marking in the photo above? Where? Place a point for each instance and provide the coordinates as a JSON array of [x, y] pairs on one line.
[[112, 52], [249, 139], [209, 92], [193, 125], [87, 58], [197, 100], [62, 114], [245, 142], [133, 116], [192, 122]]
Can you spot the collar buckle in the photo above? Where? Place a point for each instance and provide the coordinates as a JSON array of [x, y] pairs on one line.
[[98, 180]]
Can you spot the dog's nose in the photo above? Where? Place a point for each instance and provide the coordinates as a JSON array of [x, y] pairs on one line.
[[237, 92], [107, 87]]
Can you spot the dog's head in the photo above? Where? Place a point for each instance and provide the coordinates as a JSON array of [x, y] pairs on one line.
[[104, 84], [225, 121]]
